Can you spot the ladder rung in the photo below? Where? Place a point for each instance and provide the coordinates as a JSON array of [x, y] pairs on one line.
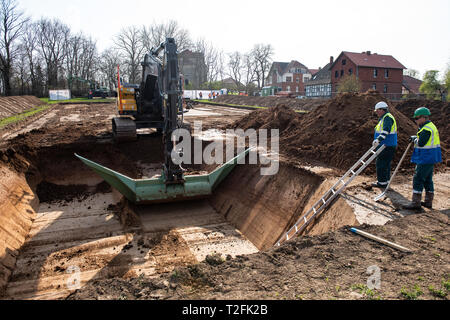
[[353, 172], [306, 220], [314, 209], [363, 162], [323, 200], [296, 228], [332, 190]]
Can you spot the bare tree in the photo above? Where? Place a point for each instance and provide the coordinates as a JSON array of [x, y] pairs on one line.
[[250, 68], [213, 60], [52, 37], [12, 22], [155, 34], [81, 62], [30, 49], [129, 44], [109, 61], [262, 54], [236, 67]]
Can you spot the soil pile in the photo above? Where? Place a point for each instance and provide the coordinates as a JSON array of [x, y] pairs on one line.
[[10, 106], [279, 117], [296, 104], [336, 134]]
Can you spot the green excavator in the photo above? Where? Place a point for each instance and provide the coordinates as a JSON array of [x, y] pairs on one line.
[[157, 103]]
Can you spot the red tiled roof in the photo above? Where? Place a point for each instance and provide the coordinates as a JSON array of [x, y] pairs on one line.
[[412, 84], [313, 71], [374, 60]]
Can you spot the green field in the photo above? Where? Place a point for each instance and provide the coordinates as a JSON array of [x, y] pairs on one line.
[[78, 100], [21, 116]]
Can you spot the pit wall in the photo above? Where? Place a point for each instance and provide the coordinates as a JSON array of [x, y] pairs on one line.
[[263, 208], [338, 214], [18, 206]]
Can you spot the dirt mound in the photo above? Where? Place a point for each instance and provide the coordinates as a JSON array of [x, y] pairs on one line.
[[279, 117], [440, 114], [10, 106], [336, 134], [296, 104]]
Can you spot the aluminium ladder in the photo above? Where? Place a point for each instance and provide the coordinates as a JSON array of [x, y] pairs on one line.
[[331, 194]]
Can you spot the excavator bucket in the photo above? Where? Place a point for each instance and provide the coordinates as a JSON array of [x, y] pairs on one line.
[[157, 190]]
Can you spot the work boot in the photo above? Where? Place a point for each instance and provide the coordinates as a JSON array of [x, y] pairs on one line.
[[428, 203], [378, 185], [415, 204]]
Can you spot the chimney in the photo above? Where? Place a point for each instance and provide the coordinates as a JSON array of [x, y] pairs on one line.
[[331, 59], [368, 53]]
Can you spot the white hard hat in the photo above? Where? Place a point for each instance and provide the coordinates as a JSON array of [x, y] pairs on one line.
[[381, 105]]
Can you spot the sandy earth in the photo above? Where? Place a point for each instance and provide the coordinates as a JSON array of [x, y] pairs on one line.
[[78, 234]]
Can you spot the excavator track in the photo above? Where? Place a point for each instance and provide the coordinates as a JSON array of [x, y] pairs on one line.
[[124, 129]]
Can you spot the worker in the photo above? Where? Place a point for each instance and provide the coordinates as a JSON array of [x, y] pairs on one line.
[[427, 152], [385, 134]]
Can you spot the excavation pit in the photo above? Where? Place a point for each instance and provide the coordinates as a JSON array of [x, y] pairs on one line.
[[60, 220]]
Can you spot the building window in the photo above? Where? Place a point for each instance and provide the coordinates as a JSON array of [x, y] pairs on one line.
[[350, 71], [288, 88], [386, 73], [374, 86], [344, 62], [375, 73], [297, 80], [288, 79], [336, 74], [385, 89], [342, 73], [296, 89]]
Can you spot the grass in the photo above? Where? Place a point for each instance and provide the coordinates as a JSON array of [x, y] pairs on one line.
[[241, 106], [368, 293], [440, 293], [21, 116], [47, 101], [413, 293]]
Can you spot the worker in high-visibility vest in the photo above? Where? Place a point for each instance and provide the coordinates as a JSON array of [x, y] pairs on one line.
[[385, 134], [427, 152]]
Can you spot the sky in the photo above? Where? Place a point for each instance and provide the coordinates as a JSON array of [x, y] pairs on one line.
[[415, 32]]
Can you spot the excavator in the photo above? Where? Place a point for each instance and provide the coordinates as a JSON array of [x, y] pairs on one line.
[[157, 103]]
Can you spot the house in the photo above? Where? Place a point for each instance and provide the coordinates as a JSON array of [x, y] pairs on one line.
[[231, 84], [375, 71], [288, 76], [320, 84], [193, 67], [411, 85]]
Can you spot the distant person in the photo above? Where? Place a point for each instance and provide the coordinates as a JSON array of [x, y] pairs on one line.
[[427, 152], [385, 134], [201, 95], [209, 96]]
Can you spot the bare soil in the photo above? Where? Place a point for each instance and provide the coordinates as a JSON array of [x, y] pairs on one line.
[[56, 214], [296, 104], [10, 106]]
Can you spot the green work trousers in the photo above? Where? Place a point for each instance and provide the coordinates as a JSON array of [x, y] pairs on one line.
[[384, 160], [423, 178]]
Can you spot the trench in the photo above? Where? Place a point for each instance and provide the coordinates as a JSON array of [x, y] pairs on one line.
[[62, 226]]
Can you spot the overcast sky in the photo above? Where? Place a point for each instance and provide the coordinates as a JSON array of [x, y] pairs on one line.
[[415, 32]]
